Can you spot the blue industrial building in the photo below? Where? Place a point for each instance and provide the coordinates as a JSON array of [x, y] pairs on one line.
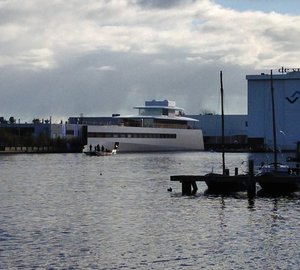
[[235, 130], [286, 85]]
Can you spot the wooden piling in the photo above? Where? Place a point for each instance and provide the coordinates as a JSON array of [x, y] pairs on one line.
[[186, 188], [195, 188], [251, 185]]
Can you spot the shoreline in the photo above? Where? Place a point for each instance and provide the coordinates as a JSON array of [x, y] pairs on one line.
[[50, 150]]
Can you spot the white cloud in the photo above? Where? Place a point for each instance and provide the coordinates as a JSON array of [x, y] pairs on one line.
[[158, 49], [107, 68], [201, 28], [37, 58]]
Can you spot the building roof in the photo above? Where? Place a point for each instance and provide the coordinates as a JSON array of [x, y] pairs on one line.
[[295, 75]]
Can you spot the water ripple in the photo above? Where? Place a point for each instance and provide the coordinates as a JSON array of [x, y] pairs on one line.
[[77, 212]]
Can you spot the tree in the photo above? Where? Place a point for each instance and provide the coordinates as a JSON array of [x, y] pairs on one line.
[[12, 120], [36, 121]]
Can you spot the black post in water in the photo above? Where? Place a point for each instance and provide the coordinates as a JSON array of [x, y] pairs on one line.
[[195, 188], [274, 122], [186, 188], [251, 187], [222, 118]]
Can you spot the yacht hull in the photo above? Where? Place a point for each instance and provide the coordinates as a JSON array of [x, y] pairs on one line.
[[140, 139]]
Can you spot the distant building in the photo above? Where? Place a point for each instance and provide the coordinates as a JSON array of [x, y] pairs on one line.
[[287, 110], [24, 130], [235, 130], [41, 137], [23, 134]]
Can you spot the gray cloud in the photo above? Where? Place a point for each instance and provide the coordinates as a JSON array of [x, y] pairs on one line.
[[162, 4], [101, 57]]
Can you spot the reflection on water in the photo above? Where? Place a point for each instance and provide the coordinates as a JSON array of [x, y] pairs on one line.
[[77, 212]]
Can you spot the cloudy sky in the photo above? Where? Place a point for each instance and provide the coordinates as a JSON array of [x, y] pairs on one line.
[[98, 57]]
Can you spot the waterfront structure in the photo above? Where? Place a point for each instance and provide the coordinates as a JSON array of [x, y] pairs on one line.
[[159, 126], [286, 85], [23, 134], [40, 136]]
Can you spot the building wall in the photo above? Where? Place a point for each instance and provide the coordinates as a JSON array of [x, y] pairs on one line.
[[24, 129], [235, 130], [67, 131], [287, 109], [211, 125]]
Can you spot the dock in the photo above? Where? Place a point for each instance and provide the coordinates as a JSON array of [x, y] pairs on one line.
[[215, 183], [225, 183]]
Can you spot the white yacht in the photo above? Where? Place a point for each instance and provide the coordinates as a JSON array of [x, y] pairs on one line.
[[159, 126]]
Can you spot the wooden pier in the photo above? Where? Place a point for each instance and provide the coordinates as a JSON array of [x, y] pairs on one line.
[[218, 182], [215, 183], [225, 183]]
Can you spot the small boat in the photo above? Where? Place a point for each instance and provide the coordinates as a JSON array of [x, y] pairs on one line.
[[278, 181], [98, 151], [222, 183], [277, 178], [107, 153]]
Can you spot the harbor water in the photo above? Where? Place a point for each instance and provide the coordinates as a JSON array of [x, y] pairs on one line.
[[70, 211]]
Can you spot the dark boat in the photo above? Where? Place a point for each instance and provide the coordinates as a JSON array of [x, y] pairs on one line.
[[276, 177], [90, 153], [224, 182], [221, 183], [278, 182]]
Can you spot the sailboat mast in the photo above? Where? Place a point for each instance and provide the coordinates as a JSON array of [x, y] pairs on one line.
[[222, 117], [274, 123]]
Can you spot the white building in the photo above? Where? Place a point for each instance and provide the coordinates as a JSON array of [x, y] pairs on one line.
[[286, 86]]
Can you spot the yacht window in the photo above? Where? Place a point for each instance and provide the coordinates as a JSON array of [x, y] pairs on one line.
[[142, 112], [152, 111], [148, 122], [131, 135]]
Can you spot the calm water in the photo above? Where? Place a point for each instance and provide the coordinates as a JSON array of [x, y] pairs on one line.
[[69, 211]]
